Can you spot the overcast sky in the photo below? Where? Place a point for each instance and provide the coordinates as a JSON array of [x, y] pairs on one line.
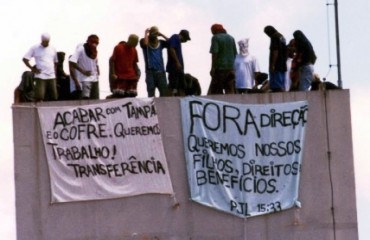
[[69, 22]]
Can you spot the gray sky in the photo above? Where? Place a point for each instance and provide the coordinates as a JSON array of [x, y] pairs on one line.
[[69, 22]]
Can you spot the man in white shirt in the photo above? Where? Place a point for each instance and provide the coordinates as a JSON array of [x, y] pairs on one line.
[[46, 60], [84, 69], [245, 68]]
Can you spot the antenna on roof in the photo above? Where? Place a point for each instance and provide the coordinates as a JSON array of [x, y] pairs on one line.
[[337, 42]]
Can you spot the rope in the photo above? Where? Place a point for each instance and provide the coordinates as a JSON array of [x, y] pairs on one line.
[[330, 166]]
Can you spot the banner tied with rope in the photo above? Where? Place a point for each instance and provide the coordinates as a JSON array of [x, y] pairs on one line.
[[244, 159], [102, 151]]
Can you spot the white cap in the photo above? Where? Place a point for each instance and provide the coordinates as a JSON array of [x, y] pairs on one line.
[[45, 37]]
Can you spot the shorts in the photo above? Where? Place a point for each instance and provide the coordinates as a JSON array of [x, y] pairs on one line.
[[90, 90], [277, 81]]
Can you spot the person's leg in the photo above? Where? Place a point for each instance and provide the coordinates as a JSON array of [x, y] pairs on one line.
[[216, 86], [280, 80], [52, 92], [181, 83], [118, 91], [39, 89], [277, 81], [94, 94], [86, 90], [172, 85], [306, 76], [150, 85], [229, 80], [177, 83], [119, 84], [161, 81], [132, 88]]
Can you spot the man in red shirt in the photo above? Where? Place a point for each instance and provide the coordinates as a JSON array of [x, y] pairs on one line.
[[124, 70]]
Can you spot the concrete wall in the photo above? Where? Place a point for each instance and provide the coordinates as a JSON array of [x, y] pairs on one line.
[[327, 190]]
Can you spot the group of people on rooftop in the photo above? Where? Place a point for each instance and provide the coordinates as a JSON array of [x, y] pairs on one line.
[[232, 71], [291, 65]]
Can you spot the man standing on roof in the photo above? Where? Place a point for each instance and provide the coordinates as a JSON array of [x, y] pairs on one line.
[[124, 69], [84, 68], [223, 50], [306, 59], [155, 75], [46, 62], [277, 59], [246, 68], [175, 64]]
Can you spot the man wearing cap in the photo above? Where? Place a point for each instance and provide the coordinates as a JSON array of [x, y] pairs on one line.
[[46, 60], [125, 72], [175, 64], [155, 75]]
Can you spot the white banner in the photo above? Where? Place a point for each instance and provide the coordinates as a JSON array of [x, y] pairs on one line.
[[244, 159], [103, 151]]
